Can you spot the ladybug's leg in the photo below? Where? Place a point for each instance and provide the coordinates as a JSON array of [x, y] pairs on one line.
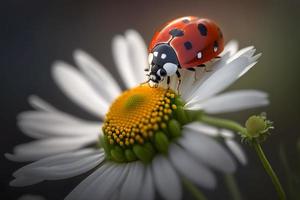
[[218, 57], [147, 70], [179, 80], [193, 70], [203, 65], [168, 81], [147, 81]]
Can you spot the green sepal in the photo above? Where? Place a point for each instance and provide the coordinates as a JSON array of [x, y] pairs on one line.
[[161, 142], [181, 115], [165, 130], [174, 128], [105, 144], [117, 154], [178, 101], [130, 156], [150, 148], [142, 153], [194, 115]]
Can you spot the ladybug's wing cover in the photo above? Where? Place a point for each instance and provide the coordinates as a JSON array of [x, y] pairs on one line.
[[164, 34], [193, 42]]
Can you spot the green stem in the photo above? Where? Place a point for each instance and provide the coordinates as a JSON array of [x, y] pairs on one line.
[[288, 172], [231, 125], [232, 187], [223, 123], [197, 194], [269, 170]]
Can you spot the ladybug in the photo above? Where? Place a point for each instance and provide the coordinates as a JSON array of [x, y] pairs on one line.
[[183, 43]]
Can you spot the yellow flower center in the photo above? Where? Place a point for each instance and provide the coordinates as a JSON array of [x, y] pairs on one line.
[[135, 115], [141, 123]]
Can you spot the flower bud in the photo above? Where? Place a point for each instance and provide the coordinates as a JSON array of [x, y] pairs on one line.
[[257, 127]]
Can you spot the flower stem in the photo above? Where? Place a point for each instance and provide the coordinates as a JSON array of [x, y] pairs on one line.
[[197, 194], [269, 170], [236, 127], [223, 123], [232, 187]]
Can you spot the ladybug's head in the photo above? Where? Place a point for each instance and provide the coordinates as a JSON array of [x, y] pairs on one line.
[[163, 62]]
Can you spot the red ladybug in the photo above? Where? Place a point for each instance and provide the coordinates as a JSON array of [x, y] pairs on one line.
[[186, 43]]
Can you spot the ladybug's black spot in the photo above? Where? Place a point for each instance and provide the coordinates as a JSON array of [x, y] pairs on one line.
[[188, 45], [216, 44], [186, 21], [176, 32], [202, 29]]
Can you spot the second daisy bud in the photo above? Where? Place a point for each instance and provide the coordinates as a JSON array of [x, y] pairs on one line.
[[257, 127]]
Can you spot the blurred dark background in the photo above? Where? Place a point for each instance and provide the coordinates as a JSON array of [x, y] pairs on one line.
[[34, 33]]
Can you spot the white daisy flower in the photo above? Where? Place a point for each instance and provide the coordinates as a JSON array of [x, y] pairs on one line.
[[31, 197], [148, 141]]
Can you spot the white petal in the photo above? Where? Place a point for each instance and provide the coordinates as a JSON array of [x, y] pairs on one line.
[[39, 124], [207, 150], [174, 83], [231, 47], [231, 102], [31, 197], [115, 196], [104, 185], [123, 62], [133, 182], [24, 181], [254, 61], [229, 50], [47, 116], [53, 160], [39, 104], [130, 57], [166, 179], [67, 170], [203, 129], [245, 52], [226, 71], [190, 168], [98, 76], [188, 79], [237, 150], [220, 80], [138, 53], [46, 147], [109, 183], [147, 190], [225, 133], [86, 183], [78, 89], [59, 167]]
